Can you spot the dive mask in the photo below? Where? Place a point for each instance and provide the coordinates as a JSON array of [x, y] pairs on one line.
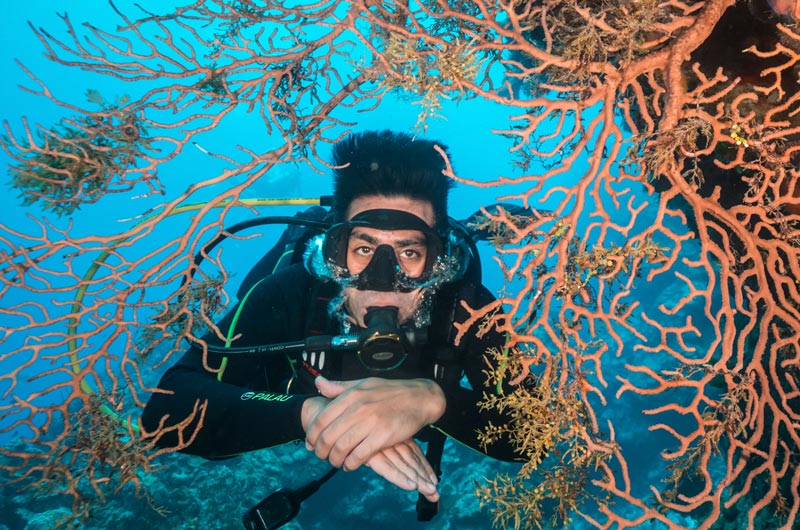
[[422, 260]]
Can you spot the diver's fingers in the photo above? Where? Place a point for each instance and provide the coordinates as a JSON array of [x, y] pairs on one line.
[[319, 423], [336, 410], [402, 457], [392, 467], [359, 454], [351, 439], [413, 462], [331, 420], [337, 441], [349, 442], [409, 458], [381, 465], [332, 389], [412, 454]]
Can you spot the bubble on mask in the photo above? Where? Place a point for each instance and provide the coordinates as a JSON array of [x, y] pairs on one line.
[[445, 270], [422, 314], [338, 312], [325, 269]]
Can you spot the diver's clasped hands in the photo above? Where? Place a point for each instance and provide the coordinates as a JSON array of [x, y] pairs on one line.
[[372, 422], [367, 415]]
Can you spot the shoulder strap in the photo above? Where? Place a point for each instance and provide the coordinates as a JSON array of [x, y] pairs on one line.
[[317, 321], [448, 362], [441, 334], [426, 509]]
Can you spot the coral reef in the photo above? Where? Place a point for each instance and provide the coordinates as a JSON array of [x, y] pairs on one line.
[[652, 313]]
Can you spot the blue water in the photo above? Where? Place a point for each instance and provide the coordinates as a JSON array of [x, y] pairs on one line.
[[478, 153]]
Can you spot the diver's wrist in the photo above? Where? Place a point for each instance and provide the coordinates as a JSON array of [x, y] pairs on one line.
[[311, 407], [436, 401]]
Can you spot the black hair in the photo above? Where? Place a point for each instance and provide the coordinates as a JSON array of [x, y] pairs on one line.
[[389, 163]]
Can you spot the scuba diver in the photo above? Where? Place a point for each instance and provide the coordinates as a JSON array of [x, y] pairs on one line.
[[353, 348]]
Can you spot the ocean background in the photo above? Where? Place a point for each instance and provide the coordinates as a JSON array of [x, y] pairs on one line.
[[212, 495]]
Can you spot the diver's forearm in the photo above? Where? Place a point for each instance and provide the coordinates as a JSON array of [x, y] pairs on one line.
[[235, 420]]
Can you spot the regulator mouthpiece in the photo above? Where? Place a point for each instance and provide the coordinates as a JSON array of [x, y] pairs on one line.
[[383, 345]]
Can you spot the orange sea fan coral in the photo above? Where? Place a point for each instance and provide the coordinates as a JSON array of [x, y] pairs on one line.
[[655, 308]]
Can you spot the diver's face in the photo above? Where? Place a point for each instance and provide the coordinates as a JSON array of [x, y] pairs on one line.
[[409, 247], [410, 250]]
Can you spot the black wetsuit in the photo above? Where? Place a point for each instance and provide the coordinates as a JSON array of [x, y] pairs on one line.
[[249, 404]]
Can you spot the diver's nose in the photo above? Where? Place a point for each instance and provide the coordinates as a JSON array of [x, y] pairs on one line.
[[380, 273]]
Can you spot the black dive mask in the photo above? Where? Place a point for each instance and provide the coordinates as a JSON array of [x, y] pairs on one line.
[[381, 272], [445, 261]]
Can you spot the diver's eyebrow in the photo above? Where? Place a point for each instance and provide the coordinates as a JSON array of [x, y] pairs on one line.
[[410, 242], [364, 237], [401, 243]]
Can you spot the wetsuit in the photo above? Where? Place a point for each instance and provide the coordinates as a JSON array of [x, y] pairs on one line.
[[255, 403]]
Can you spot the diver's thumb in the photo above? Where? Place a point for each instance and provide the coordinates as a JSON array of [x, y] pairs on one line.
[[331, 389]]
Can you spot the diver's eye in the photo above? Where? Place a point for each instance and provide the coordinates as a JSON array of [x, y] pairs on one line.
[[358, 257], [410, 254], [363, 250], [412, 261]]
